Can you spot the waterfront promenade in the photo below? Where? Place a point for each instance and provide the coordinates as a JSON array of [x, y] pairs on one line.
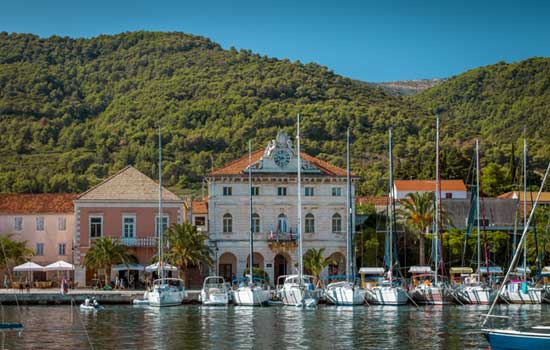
[[54, 296]]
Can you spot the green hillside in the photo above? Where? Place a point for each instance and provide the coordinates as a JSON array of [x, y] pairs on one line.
[[73, 111]]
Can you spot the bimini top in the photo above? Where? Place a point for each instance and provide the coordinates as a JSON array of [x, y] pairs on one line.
[[493, 270], [371, 271], [420, 269], [461, 269]]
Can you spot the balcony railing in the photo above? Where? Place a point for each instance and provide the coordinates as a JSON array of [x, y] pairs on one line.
[[282, 237], [139, 242]]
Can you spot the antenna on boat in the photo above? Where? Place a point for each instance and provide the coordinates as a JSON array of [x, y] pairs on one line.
[[477, 213], [251, 265], [159, 220], [349, 265], [436, 228], [299, 190]]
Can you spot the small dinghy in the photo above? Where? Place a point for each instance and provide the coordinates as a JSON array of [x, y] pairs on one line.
[[92, 305]]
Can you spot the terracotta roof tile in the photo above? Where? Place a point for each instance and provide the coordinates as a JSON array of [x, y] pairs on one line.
[[199, 207], [238, 166], [429, 185], [36, 203], [544, 196], [129, 184]]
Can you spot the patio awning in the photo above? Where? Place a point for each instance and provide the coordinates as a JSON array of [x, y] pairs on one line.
[[166, 267], [128, 267], [59, 266], [29, 266]]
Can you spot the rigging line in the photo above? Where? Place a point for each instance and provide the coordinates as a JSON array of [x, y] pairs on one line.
[[84, 327]]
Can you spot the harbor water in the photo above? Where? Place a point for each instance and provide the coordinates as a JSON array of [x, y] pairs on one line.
[[274, 327]]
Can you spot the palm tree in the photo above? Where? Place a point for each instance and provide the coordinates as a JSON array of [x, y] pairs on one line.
[[315, 262], [187, 246], [13, 252], [104, 253], [418, 210]]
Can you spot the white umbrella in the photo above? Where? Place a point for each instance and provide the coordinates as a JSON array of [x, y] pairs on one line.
[[129, 267], [29, 266], [59, 266], [166, 267]]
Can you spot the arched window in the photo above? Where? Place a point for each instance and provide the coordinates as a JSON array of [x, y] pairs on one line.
[[310, 223], [282, 223], [227, 223], [255, 222], [336, 223]]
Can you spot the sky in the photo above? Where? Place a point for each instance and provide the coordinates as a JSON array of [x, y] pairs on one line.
[[368, 40]]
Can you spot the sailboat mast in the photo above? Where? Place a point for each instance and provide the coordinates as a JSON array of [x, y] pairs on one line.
[[436, 229], [159, 220], [524, 205], [391, 204], [251, 266], [477, 212], [349, 258], [299, 191]]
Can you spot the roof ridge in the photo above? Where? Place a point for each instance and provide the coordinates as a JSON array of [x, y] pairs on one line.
[[104, 181]]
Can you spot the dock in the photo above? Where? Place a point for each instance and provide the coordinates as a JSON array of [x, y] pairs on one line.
[[54, 297]]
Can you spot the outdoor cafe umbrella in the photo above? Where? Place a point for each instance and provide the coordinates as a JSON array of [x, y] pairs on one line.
[[128, 267], [29, 267], [59, 266]]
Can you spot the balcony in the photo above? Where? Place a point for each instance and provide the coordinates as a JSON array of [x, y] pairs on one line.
[[139, 242], [282, 237], [282, 242]]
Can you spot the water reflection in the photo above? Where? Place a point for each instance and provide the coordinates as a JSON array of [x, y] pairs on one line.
[[326, 327]]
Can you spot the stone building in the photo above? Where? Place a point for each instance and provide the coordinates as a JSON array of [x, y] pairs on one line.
[[274, 203]]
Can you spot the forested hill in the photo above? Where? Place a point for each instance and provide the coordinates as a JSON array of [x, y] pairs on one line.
[[73, 111]]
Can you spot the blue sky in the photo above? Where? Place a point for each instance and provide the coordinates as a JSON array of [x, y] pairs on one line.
[[368, 40]]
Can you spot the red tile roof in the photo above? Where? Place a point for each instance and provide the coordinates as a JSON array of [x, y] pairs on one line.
[[36, 203], [199, 207], [429, 185], [238, 166]]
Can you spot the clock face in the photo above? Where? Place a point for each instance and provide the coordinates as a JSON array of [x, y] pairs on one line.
[[281, 158]]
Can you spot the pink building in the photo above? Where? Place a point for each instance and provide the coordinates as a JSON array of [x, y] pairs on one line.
[[45, 221], [124, 206]]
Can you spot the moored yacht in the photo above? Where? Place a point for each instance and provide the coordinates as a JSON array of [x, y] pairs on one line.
[[167, 292], [427, 290], [214, 291], [299, 290]]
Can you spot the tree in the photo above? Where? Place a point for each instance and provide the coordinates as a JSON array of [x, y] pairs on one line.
[[187, 246], [494, 180], [418, 210], [315, 262], [104, 253], [13, 252]]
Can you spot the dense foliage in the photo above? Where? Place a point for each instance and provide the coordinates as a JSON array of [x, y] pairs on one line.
[[73, 111]]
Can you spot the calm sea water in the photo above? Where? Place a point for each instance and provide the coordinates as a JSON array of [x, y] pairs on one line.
[[275, 327]]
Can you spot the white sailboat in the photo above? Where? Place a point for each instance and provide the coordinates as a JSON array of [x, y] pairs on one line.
[[347, 292], [214, 292], [166, 291], [436, 292], [476, 291], [251, 294], [298, 290], [522, 291], [389, 291]]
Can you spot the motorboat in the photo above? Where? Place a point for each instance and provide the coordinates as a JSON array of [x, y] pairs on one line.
[[167, 292], [344, 293], [299, 293], [214, 292], [248, 293], [91, 305]]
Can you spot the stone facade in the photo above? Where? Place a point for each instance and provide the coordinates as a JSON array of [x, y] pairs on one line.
[[274, 205]]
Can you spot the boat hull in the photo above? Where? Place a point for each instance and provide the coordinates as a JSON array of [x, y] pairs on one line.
[[476, 296], [246, 296], [533, 296], [387, 296], [514, 340], [432, 296], [346, 295], [165, 298], [214, 298], [296, 296]]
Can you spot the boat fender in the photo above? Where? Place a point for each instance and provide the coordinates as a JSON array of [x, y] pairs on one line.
[[524, 287]]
